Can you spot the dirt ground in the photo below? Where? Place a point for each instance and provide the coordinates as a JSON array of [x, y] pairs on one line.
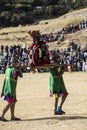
[[35, 107]]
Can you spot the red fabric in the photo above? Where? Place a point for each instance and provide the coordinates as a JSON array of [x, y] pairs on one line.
[[35, 58]]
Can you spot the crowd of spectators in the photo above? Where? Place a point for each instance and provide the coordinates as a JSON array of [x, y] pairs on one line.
[[60, 35], [8, 53], [83, 24], [73, 56], [73, 28]]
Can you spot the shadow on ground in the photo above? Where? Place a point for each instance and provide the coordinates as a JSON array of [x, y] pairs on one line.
[[58, 117]]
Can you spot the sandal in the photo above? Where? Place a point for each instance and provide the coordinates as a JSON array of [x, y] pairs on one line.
[[15, 119], [3, 119]]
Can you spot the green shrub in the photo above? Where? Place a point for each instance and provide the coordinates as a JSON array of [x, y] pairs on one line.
[[25, 7], [9, 7]]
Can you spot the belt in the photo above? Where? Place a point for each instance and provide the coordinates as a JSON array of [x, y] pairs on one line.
[[14, 80]]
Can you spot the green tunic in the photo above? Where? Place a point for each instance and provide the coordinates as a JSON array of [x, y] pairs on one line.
[[10, 83], [56, 82]]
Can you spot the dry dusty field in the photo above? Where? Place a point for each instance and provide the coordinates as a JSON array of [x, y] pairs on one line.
[[35, 107]]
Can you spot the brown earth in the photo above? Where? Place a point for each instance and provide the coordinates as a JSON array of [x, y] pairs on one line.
[[35, 107]]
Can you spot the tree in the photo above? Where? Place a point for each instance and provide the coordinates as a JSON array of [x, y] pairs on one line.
[[37, 3]]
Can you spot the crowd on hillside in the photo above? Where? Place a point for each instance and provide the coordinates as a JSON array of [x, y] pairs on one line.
[[74, 56], [65, 30], [73, 28]]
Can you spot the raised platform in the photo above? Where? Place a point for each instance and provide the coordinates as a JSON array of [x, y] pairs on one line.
[[41, 66]]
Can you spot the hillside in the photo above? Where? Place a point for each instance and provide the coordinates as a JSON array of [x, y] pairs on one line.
[[46, 26]]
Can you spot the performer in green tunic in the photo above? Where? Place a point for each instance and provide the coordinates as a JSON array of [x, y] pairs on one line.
[[9, 89], [9, 86], [57, 85]]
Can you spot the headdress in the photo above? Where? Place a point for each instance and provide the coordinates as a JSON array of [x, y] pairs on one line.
[[34, 33]]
